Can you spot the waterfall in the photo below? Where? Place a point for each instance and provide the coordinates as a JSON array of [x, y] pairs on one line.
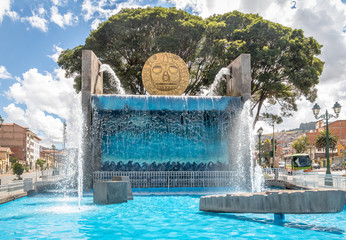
[[248, 176], [210, 91], [115, 80]]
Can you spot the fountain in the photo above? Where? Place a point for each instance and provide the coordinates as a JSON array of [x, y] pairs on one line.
[[164, 133]]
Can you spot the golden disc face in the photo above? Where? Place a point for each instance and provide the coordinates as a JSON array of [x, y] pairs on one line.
[[165, 74]]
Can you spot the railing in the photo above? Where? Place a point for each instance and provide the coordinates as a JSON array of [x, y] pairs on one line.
[[30, 183], [307, 179], [155, 179]]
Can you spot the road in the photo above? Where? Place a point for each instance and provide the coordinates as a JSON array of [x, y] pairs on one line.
[[6, 178], [323, 171]]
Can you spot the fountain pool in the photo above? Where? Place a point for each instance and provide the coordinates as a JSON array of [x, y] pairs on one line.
[[153, 217]]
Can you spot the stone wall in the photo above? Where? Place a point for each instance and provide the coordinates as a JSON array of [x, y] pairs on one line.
[[284, 201]]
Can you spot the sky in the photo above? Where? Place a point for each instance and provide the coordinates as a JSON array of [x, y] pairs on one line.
[[35, 93]]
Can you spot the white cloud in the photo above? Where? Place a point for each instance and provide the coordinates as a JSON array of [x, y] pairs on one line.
[[16, 115], [13, 15], [48, 98], [57, 51], [59, 2], [95, 24], [4, 6], [3, 73], [62, 20], [103, 9], [37, 21]]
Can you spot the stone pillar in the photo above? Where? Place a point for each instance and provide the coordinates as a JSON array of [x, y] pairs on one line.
[[92, 83], [240, 83]]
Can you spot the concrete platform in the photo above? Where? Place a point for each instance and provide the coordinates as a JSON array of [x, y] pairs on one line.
[[110, 192], [281, 201]]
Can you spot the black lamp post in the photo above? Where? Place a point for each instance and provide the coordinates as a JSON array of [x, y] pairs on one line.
[[316, 109], [1, 121], [260, 131]]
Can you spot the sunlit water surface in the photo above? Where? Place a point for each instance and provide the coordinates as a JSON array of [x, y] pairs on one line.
[[153, 217]]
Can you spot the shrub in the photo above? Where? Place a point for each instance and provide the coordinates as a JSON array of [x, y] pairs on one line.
[[18, 169]]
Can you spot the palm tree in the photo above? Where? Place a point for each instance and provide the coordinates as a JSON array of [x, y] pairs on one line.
[[320, 141]]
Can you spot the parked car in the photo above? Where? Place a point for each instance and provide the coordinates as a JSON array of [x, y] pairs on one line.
[[336, 167], [316, 166]]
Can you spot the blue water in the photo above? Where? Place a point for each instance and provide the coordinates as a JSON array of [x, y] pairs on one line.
[[153, 217], [172, 103], [163, 133]]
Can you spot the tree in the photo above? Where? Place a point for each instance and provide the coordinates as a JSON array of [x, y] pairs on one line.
[[18, 169], [301, 144], [40, 162], [320, 141], [126, 40], [284, 66], [267, 148], [13, 160]]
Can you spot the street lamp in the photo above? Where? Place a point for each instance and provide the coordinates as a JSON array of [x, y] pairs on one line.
[[259, 131], [1, 121], [316, 110]]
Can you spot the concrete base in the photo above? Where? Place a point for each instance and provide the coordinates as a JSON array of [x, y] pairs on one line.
[[284, 201], [129, 188], [110, 192]]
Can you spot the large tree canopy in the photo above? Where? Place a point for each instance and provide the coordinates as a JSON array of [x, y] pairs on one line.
[[284, 62]]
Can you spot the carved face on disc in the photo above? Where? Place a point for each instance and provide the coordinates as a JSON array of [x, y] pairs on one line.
[[165, 74]]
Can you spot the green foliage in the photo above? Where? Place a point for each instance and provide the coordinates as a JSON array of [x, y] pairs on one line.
[[18, 169], [284, 63], [40, 162], [320, 141], [301, 144], [267, 148], [126, 40], [13, 160]]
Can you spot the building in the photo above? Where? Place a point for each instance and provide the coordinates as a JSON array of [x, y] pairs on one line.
[[24, 143], [5, 164], [337, 128]]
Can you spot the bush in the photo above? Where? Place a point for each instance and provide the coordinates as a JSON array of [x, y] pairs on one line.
[[18, 169]]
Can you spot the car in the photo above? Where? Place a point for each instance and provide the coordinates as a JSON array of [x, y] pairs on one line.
[[336, 167], [316, 166]]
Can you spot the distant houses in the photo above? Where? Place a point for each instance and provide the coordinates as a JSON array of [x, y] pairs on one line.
[[285, 139], [24, 145]]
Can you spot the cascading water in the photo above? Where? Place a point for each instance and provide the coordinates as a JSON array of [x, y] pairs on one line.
[[73, 169], [163, 133], [248, 176], [210, 91], [115, 80]]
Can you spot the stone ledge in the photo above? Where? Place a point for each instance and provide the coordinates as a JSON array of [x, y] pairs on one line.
[[6, 199], [282, 201]]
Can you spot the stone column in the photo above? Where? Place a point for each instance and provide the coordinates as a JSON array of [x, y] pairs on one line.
[[240, 83], [92, 83]]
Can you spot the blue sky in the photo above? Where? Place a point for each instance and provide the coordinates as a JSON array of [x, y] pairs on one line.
[[35, 93]]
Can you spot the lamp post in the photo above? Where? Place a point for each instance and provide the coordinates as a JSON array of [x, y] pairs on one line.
[[53, 147], [316, 109], [259, 131], [1, 121]]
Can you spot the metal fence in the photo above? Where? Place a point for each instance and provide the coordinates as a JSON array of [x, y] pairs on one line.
[[40, 178], [155, 179], [307, 179]]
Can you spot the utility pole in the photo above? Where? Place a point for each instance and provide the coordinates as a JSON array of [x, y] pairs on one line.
[[273, 145]]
